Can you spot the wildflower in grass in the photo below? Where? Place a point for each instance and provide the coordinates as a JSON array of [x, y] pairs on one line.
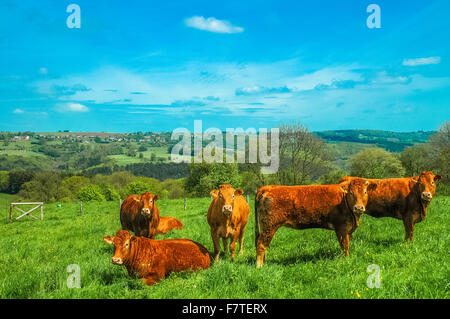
[[351, 291], [357, 294]]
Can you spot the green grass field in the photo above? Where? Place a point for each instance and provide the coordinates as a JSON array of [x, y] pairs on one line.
[[34, 256]]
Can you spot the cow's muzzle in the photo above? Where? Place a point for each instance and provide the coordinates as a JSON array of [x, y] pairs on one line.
[[359, 209], [146, 211], [117, 261], [426, 196], [227, 209]]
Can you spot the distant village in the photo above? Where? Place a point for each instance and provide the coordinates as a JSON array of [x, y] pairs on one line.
[[98, 137]]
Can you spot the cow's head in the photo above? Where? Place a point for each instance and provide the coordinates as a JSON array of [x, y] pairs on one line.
[[426, 185], [225, 196], [122, 242], [356, 193], [148, 203]]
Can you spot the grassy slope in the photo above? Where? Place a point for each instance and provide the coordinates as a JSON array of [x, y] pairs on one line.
[[300, 264]]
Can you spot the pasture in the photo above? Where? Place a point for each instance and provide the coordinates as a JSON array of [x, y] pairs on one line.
[[34, 256]]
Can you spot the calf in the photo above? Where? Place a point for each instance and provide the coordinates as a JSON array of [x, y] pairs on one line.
[[334, 207], [166, 224], [406, 198], [140, 214], [152, 260], [227, 218]]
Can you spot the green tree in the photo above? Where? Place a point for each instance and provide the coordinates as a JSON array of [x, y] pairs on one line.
[[4, 182], [416, 159], [91, 192], [376, 163], [204, 177], [332, 177]]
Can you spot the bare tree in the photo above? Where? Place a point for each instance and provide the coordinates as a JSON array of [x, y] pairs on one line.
[[300, 153]]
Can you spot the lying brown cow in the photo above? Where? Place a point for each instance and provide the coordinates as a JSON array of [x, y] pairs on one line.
[[152, 259], [140, 214], [406, 198], [334, 207], [166, 224], [227, 217]]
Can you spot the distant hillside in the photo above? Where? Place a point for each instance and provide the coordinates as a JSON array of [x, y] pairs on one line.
[[392, 141]]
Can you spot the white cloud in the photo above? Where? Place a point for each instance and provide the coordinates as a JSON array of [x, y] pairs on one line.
[[212, 24], [422, 61], [18, 111], [72, 107]]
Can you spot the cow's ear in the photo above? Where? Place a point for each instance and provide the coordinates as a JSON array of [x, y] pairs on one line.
[[155, 198], [372, 187], [108, 239], [238, 192], [133, 239], [344, 188], [214, 193], [437, 178]]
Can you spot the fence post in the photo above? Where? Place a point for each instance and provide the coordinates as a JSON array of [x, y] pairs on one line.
[[185, 204], [120, 204], [81, 208], [248, 199], [10, 212], [42, 212]]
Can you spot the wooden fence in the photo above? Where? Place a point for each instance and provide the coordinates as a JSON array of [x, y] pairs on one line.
[[13, 206]]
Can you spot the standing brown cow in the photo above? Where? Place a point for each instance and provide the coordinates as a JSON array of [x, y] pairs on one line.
[[227, 217], [140, 214], [334, 207], [406, 198], [152, 259]]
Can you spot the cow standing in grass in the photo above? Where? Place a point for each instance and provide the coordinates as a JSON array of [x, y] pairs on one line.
[[334, 207], [140, 214], [406, 198], [227, 217], [152, 260]]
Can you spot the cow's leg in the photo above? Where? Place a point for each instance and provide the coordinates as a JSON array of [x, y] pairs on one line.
[[233, 241], [409, 228], [263, 241], [152, 279], [216, 242], [343, 238], [225, 244], [241, 240]]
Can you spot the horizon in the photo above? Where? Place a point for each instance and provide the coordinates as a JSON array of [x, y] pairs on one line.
[[145, 67]]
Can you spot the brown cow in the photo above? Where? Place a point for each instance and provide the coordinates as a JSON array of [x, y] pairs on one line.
[[152, 259], [227, 217], [406, 199], [334, 207], [140, 214], [166, 224]]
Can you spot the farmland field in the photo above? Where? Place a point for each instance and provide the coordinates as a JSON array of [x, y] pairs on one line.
[[299, 264]]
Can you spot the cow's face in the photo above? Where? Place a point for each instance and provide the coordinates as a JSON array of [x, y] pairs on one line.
[[226, 195], [356, 194], [426, 184], [148, 202], [122, 246]]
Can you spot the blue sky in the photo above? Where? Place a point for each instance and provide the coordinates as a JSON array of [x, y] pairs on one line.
[[160, 65]]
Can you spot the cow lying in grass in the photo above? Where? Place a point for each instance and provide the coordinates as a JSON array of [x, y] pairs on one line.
[[334, 207], [152, 260], [406, 198], [166, 224]]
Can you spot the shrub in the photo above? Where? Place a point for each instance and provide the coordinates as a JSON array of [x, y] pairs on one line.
[[91, 192], [332, 177], [4, 182], [109, 192], [138, 188]]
